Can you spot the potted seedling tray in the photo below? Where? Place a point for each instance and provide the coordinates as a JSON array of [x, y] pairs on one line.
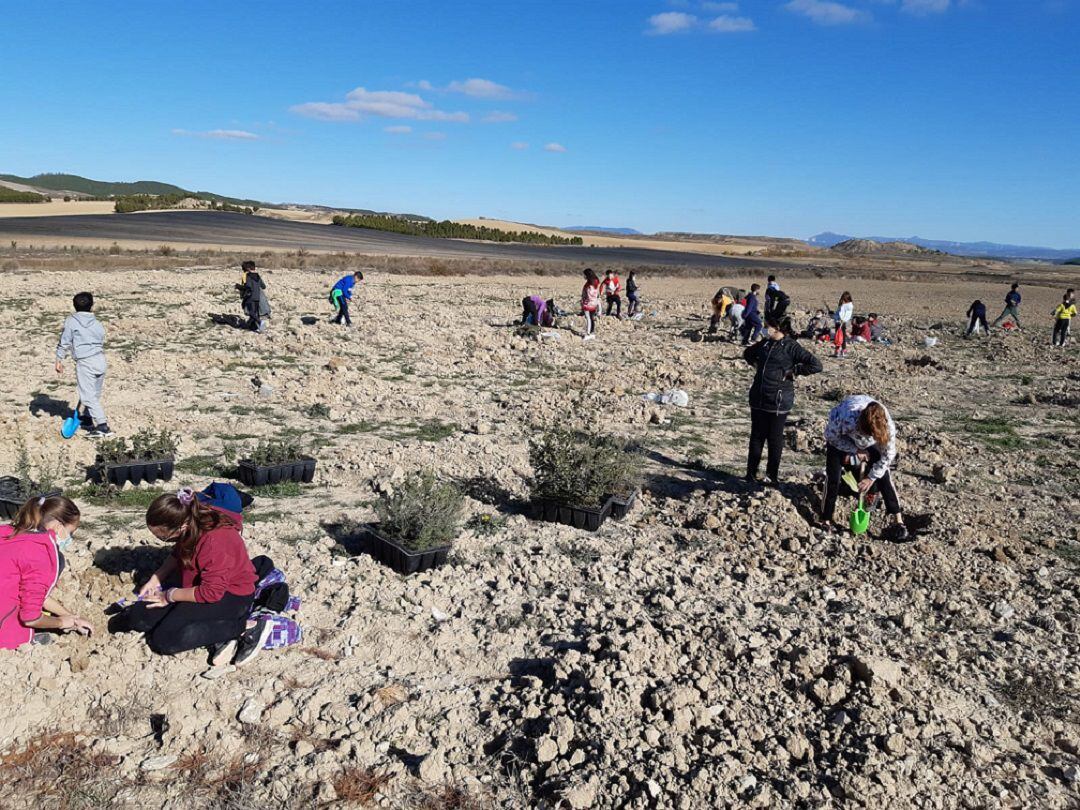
[[403, 560], [580, 517], [13, 496], [146, 458], [302, 471], [133, 472], [619, 506]]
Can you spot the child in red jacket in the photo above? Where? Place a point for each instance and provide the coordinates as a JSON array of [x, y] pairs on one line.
[[611, 287], [202, 594]]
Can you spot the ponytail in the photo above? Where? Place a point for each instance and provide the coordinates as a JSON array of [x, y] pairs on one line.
[[184, 517], [37, 512]]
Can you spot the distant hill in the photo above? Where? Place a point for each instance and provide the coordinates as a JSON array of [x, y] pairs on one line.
[[602, 229], [76, 186], [871, 247], [986, 249]]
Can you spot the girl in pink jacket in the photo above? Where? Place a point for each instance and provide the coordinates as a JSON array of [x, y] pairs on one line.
[[31, 560], [590, 302]]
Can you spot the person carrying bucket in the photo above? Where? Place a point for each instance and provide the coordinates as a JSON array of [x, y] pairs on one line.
[[84, 339], [341, 295], [861, 432]]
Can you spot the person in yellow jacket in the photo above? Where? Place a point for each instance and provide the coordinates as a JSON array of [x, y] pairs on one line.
[[1063, 315], [720, 303]]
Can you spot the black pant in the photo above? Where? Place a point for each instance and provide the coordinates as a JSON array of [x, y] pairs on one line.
[[614, 301], [977, 320], [189, 625], [1061, 331], [834, 468], [343, 312], [765, 427]]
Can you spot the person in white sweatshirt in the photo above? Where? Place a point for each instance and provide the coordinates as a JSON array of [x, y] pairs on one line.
[[844, 312], [83, 339]]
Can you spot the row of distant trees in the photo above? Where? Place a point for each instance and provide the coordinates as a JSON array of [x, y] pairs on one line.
[[155, 202], [449, 230], [10, 195]]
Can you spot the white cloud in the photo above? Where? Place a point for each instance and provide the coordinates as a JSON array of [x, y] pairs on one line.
[[220, 134], [554, 147], [500, 117], [398, 129], [361, 103], [726, 24], [671, 22], [925, 6], [519, 145], [424, 84], [482, 88], [827, 12]]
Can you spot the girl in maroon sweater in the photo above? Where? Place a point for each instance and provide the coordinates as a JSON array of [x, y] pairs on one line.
[[201, 595]]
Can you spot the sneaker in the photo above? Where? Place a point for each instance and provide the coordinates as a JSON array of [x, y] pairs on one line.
[[588, 337], [897, 533], [99, 431], [251, 642], [222, 654]]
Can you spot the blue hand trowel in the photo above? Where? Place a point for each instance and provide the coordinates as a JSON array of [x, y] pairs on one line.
[[70, 425]]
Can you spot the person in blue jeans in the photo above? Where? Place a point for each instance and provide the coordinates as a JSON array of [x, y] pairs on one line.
[[752, 326], [1012, 307], [341, 295]]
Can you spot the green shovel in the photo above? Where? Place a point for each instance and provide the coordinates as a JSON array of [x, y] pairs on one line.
[[860, 518]]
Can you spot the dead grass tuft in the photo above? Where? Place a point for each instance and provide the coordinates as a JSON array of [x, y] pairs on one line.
[[360, 785], [58, 769]]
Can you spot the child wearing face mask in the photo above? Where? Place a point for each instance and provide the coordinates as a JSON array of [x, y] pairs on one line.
[[31, 561]]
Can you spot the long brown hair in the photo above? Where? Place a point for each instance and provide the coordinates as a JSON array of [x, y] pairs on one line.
[[845, 298], [36, 512], [874, 421], [187, 521]]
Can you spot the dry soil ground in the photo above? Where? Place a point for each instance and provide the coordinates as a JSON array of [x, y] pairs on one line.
[[709, 650]]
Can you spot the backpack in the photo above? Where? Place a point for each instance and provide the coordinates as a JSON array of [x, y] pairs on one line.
[[271, 589]]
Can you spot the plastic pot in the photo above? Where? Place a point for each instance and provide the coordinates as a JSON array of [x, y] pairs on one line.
[[580, 517], [301, 470], [137, 472], [12, 497], [403, 560], [620, 505]]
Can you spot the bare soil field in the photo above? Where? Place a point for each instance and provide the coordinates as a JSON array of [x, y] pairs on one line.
[[712, 649], [55, 208]]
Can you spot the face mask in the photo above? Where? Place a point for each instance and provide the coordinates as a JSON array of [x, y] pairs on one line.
[[62, 544]]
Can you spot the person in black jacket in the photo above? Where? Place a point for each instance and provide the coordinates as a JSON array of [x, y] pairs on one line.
[[253, 297], [776, 300], [777, 360]]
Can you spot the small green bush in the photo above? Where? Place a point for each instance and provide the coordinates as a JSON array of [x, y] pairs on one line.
[[422, 513], [276, 451], [582, 469]]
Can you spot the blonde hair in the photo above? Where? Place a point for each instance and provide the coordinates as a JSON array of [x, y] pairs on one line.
[[37, 512], [874, 421]]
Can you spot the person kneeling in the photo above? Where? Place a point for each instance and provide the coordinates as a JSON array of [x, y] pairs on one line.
[[202, 594], [31, 561]]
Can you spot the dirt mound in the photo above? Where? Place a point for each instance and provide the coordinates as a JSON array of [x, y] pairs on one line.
[[868, 247]]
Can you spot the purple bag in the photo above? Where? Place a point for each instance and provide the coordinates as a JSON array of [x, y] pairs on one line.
[[284, 632]]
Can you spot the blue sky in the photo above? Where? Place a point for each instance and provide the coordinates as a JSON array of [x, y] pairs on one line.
[[954, 119]]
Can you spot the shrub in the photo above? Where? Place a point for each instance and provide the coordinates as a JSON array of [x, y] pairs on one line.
[[578, 468], [422, 513], [166, 250], [10, 266], [276, 451], [34, 479], [114, 249]]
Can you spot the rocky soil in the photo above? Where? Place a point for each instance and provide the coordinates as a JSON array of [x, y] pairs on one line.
[[711, 649]]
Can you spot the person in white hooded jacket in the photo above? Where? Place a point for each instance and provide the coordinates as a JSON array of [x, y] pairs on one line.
[[861, 432], [83, 339]]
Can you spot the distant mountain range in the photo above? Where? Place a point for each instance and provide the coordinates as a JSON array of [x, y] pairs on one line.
[[602, 229], [985, 249]]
